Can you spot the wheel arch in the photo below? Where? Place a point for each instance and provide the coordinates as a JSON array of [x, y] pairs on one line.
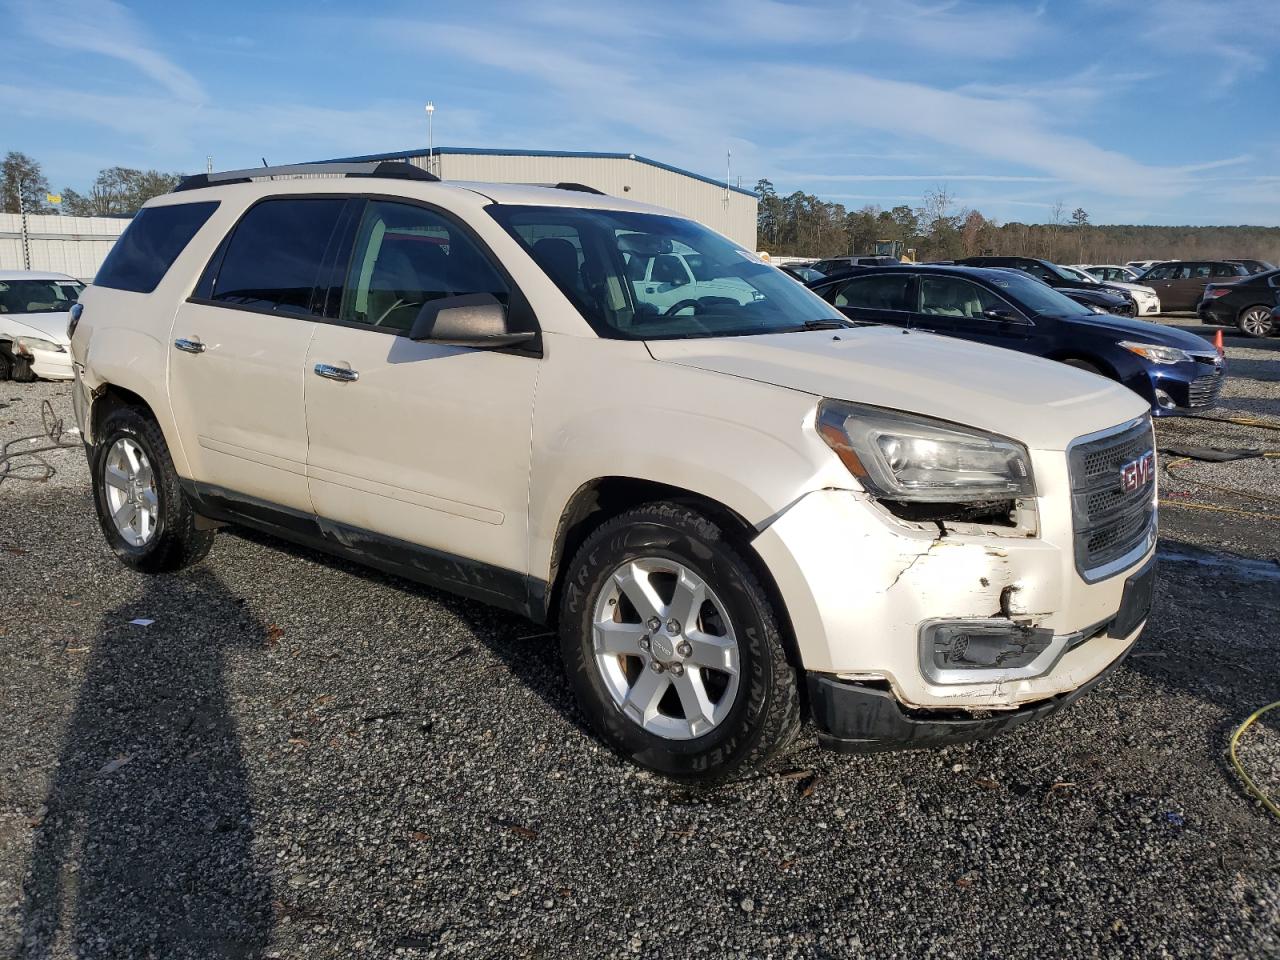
[[599, 500]]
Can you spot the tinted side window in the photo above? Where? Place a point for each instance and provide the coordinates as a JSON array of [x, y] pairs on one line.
[[1160, 273], [150, 244], [1199, 271], [1226, 270], [953, 297], [406, 255], [886, 292], [274, 256]]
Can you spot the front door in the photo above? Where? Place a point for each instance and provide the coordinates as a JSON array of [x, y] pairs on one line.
[[1186, 286], [238, 350], [960, 308], [422, 444]]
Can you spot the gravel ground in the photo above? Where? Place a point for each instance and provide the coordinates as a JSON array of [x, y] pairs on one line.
[[300, 758]]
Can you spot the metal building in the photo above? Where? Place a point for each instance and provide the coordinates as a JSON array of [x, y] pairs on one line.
[[728, 209], [72, 245]]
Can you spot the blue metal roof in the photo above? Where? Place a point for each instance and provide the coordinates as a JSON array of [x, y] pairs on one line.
[[502, 152]]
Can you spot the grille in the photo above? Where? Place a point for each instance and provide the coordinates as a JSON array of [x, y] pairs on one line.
[[1109, 522], [1204, 390]]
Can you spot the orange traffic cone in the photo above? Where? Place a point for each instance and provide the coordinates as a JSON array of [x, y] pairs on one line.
[[1217, 342]]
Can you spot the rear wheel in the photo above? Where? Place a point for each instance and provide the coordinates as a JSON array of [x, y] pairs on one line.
[[147, 519], [674, 648], [1256, 321]]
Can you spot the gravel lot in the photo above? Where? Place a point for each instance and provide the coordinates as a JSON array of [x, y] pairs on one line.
[[300, 758]]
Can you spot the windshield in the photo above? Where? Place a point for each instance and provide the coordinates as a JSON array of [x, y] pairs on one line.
[[643, 276], [38, 296], [1036, 296], [1075, 274]]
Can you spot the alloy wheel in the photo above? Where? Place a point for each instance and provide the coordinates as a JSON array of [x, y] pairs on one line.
[[665, 648], [130, 488], [1256, 322]]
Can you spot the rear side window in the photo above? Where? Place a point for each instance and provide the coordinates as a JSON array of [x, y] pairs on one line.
[[274, 256], [150, 244], [1229, 270], [884, 292]]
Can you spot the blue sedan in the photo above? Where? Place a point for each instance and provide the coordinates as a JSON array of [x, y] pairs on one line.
[[1173, 370]]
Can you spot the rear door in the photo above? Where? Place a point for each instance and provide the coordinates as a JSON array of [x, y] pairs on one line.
[[424, 444], [238, 351], [877, 298]]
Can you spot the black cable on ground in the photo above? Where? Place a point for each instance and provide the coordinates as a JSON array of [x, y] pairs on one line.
[[28, 464]]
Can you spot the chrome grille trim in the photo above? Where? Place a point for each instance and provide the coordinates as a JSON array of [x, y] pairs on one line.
[[1112, 529]]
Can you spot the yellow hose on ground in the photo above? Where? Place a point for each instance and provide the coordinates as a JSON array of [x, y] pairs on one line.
[[1252, 787]]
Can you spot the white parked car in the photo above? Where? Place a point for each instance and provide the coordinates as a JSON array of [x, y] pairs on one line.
[[1109, 272], [34, 308], [1145, 298], [726, 506]]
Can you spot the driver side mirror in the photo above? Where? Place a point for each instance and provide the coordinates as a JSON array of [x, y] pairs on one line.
[[468, 320]]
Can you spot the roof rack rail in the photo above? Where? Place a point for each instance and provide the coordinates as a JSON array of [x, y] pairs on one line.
[[389, 169], [580, 187]]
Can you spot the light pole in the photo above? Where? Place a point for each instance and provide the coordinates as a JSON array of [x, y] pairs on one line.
[[431, 138]]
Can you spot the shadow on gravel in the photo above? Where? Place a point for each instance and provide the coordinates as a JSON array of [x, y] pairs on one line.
[[529, 650], [146, 845]]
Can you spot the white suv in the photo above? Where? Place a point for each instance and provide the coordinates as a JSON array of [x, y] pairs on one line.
[[736, 512]]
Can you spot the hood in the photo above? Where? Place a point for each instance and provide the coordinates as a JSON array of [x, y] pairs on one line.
[[1135, 287], [1096, 294], [46, 326], [1125, 328], [1042, 403]]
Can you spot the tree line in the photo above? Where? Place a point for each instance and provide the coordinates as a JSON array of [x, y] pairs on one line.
[[804, 225], [115, 191]]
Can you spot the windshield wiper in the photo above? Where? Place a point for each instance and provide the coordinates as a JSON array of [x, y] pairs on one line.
[[828, 323]]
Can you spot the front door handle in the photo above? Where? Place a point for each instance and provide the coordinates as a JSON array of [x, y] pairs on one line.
[[341, 374], [189, 346]]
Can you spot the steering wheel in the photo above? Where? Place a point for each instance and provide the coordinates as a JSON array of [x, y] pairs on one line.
[[675, 308]]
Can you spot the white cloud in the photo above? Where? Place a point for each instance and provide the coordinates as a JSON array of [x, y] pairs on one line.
[[106, 28]]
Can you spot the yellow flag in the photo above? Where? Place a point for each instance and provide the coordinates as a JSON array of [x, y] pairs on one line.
[[53, 197]]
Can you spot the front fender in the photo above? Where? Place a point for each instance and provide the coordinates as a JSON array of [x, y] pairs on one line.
[[135, 361], [748, 446]]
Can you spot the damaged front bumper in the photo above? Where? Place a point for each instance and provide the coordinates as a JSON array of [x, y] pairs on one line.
[[868, 596], [853, 718]]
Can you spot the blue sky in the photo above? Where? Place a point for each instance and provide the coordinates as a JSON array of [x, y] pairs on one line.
[[1141, 111]]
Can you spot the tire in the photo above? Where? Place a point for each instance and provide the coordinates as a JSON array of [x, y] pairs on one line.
[[170, 541], [756, 713], [1256, 322], [1083, 365]]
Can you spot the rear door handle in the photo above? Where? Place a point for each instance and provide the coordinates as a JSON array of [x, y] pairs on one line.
[[341, 374], [189, 346]]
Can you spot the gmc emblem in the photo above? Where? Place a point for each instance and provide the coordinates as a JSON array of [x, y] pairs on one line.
[[1137, 473]]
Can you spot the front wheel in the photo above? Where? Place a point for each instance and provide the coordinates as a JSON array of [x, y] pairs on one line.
[[674, 648], [1257, 322], [145, 516]]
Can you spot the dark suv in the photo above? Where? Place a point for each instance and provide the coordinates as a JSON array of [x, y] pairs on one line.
[[1180, 283], [1104, 295], [1246, 303], [1171, 369]]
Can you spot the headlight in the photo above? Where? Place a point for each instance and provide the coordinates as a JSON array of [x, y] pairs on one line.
[[897, 456], [24, 345], [1156, 353], [1097, 309]]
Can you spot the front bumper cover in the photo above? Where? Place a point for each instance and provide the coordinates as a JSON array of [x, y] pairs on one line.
[[859, 719], [856, 718]]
